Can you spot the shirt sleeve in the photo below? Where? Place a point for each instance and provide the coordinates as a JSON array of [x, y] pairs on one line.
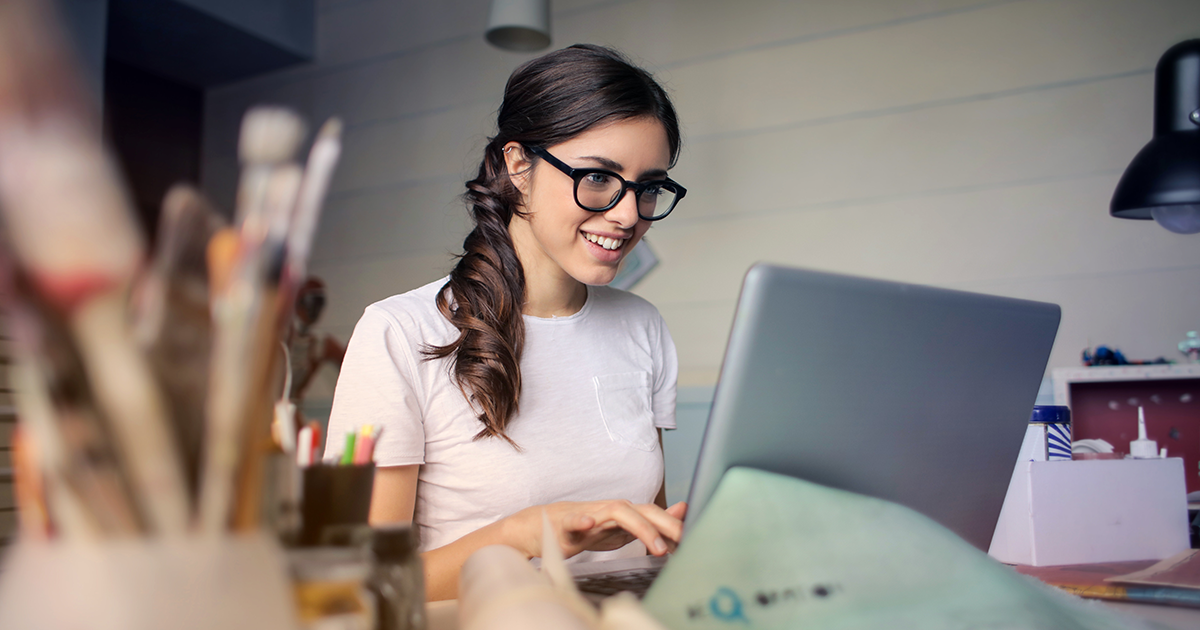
[[666, 373], [376, 386]]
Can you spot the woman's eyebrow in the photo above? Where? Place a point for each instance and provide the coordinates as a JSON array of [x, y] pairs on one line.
[[604, 162], [616, 166]]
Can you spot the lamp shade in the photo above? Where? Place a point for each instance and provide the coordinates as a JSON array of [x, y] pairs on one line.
[[1163, 180], [521, 25]]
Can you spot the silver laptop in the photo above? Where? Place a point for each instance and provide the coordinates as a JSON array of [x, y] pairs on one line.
[[912, 394]]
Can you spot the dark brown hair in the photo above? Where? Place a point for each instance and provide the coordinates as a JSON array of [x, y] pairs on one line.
[[547, 101]]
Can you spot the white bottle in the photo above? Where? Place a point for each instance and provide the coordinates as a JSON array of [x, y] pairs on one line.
[[1143, 448]]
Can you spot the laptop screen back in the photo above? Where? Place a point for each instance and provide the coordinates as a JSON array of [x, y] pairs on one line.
[[908, 393]]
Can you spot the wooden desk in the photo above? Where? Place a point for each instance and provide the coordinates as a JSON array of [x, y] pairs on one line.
[[1088, 580], [1170, 616]]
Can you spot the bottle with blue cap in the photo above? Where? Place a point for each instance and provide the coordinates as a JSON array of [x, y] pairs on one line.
[[1057, 422]]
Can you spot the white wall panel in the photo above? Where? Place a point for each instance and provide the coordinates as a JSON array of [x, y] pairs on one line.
[[1028, 135], [1142, 312], [352, 287], [426, 218], [667, 33], [1002, 47], [391, 27], [1025, 241], [412, 151], [964, 143], [416, 84]]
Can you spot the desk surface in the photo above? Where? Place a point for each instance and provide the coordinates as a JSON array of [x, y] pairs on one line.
[[1090, 577], [1169, 616]]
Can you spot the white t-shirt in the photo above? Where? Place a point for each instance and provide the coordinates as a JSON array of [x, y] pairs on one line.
[[595, 386]]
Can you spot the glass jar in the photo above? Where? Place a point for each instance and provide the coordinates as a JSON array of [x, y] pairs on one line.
[[398, 578], [331, 587]]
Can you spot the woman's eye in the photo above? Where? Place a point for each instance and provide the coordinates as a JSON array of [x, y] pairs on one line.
[[598, 179]]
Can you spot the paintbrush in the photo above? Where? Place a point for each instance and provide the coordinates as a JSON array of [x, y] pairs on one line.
[[235, 309], [75, 240], [257, 442], [322, 159], [245, 315], [171, 317], [290, 231], [84, 484]]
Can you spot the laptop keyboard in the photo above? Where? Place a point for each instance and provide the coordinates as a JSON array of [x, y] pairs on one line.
[[636, 581]]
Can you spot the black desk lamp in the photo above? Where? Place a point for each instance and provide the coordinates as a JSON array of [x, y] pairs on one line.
[[1163, 180]]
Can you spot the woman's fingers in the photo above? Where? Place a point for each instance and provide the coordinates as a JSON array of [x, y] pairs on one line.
[[578, 522], [647, 523], [605, 525], [667, 524]]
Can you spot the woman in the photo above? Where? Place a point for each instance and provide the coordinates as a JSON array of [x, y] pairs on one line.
[[521, 385]]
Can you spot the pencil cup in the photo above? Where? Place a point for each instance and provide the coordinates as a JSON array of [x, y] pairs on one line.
[[336, 501]]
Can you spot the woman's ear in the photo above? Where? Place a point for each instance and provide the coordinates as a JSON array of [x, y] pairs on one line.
[[517, 162]]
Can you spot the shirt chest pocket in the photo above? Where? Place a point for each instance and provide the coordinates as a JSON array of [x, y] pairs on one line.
[[625, 408]]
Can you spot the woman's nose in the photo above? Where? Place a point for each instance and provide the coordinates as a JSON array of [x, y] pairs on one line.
[[625, 213]]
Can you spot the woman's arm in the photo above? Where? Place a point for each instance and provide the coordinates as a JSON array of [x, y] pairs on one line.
[[394, 495], [393, 500], [586, 526], [594, 525]]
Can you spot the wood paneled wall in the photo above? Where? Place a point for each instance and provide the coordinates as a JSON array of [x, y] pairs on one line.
[[972, 144]]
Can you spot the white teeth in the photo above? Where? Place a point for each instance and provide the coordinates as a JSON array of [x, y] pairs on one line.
[[604, 241]]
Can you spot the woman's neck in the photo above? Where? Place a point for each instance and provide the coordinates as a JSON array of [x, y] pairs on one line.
[[552, 297]]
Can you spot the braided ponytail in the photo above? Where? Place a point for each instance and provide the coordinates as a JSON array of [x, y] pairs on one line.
[[483, 299], [547, 101]]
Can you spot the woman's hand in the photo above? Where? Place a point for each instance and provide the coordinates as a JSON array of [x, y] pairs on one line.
[[598, 526]]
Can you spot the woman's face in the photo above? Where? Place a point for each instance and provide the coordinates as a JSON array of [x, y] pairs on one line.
[[560, 242]]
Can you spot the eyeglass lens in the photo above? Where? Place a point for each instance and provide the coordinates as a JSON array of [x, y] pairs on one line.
[[597, 191]]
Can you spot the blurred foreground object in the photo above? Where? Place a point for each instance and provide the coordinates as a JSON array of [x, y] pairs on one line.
[[182, 583], [772, 551], [143, 384], [87, 392], [398, 578], [145, 388]]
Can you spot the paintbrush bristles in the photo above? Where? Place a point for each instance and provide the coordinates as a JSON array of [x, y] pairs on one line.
[[331, 130], [322, 159], [48, 174], [270, 135]]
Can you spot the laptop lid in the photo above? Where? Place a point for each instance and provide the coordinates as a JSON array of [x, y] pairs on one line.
[[912, 394]]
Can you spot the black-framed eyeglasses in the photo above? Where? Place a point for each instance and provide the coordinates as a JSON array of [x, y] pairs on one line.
[[599, 190]]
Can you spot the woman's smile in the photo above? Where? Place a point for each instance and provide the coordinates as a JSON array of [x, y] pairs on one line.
[[606, 242]]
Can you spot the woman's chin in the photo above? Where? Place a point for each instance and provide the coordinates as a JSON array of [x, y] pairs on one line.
[[597, 277]]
